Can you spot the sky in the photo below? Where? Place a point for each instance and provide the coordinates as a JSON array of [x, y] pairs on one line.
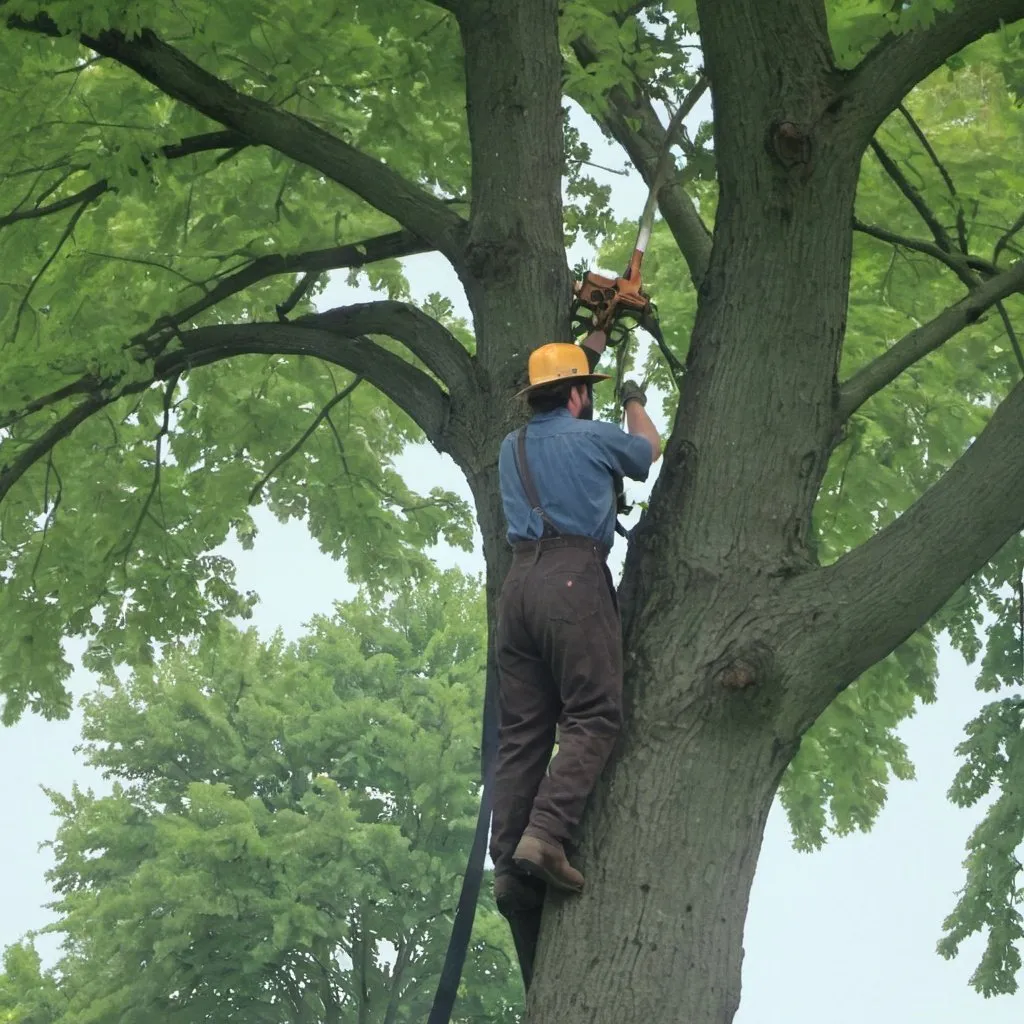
[[845, 935]]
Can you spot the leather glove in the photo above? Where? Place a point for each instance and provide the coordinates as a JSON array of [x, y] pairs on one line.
[[632, 392]]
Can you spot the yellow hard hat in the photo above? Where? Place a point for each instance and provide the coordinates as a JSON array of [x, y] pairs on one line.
[[559, 361]]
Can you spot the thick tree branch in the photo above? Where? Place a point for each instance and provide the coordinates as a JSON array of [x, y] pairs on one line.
[[174, 74], [644, 146], [872, 599], [425, 338], [408, 387], [422, 335], [881, 80], [356, 254], [926, 338]]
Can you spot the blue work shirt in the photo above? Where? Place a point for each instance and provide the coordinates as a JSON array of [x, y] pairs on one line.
[[573, 462]]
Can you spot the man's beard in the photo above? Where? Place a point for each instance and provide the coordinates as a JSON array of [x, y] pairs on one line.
[[587, 412]]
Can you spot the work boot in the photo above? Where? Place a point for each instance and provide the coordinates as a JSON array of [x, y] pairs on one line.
[[516, 893], [545, 859]]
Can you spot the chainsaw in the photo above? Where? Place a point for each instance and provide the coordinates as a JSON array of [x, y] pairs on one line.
[[616, 305]]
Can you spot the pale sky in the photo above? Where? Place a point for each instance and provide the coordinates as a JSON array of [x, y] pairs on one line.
[[845, 936]]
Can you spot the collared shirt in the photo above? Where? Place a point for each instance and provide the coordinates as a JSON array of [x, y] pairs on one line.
[[573, 463]]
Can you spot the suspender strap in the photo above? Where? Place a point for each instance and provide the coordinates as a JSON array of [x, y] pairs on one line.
[[526, 477]]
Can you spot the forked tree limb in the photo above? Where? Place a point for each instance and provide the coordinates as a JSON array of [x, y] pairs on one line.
[[956, 257], [956, 262], [174, 74], [961, 220], [355, 254], [408, 387], [876, 87], [914, 346], [914, 197]]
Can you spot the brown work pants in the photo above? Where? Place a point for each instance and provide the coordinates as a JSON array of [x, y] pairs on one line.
[[559, 649]]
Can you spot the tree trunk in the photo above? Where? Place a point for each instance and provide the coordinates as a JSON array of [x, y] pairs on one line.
[[670, 841], [670, 855]]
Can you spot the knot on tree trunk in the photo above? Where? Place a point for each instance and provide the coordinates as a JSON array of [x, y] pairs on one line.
[[737, 675], [789, 144], [743, 666]]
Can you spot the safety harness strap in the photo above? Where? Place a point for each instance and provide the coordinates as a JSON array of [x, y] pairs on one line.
[[526, 478]]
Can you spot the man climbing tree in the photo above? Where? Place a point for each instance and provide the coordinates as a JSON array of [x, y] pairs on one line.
[[559, 638], [842, 480]]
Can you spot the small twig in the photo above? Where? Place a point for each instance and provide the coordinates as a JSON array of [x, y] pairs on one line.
[[229, 155], [50, 189], [624, 172], [65, 235], [961, 224], [299, 292], [126, 550], [1007, 238], [78, 67], [49, 508], [324, 414], [1011, 334], [144, 262]]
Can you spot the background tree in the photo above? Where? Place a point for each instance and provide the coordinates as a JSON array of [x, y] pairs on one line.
[[28, 995], [817, 519], [287, 829]]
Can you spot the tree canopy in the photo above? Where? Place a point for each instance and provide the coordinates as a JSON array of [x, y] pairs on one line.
[[177, 182], [286, 833]]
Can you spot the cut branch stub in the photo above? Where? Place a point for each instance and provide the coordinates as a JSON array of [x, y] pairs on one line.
[[790, 144], [737, 675]]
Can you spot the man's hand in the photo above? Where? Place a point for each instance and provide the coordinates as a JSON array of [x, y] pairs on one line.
[[632, 392]]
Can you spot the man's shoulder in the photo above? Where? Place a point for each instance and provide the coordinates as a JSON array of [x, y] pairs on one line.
[[602, 430]]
